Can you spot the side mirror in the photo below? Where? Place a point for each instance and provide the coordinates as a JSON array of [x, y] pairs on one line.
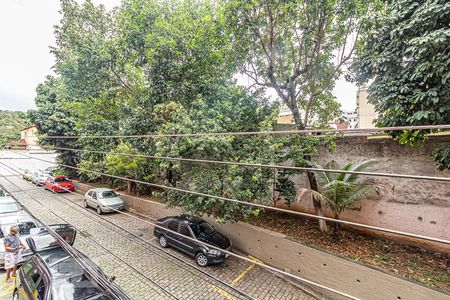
[[113, 278]]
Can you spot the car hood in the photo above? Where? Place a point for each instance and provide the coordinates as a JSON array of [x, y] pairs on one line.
[[217, 239], [64, 184], [111, 201]]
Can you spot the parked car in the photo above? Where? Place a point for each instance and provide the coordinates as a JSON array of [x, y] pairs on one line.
[[103, 200], [27, 175], [51, 273], [8, 206], [58, 184], [195, 228], [40, 177], [25, 223]]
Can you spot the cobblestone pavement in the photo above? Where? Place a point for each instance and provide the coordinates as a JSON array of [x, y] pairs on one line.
[[119, 252]]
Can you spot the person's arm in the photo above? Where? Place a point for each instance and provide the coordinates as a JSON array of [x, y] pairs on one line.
[[7, 247], [22, 244]]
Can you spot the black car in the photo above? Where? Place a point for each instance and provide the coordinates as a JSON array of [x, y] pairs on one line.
[[52, 274], [195, 228]]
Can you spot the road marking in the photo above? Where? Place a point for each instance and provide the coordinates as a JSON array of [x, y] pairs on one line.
[[6, 288], [223, 293], [245, 272]]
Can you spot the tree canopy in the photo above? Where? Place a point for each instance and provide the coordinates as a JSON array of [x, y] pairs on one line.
[[406, 57]]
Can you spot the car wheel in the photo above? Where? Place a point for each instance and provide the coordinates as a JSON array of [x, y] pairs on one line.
[[85, 204], [163, 241], [201, 259], [99, 210]]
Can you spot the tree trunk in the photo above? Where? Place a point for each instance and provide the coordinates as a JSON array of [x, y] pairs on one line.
[[317, 203]]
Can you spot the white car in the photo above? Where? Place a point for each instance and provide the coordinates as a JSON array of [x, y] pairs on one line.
[[40, 177], [25, 223], [8, 206], [103, 200]]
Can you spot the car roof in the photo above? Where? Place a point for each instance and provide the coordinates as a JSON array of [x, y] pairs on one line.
[[8, 199], [59, 176], [189, 219], [100, 189], [18, 217]]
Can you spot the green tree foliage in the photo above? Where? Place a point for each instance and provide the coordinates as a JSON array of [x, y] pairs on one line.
[[406, 54], [165, 67], [298, 49], [340, 190], [12, 122]]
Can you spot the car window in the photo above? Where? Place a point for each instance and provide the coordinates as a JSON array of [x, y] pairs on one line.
[[202, 229], [8, 207], [24, 227], [184, 230], [108, 194], [94, 195], [32, 277], [173, 225], [61, 179]]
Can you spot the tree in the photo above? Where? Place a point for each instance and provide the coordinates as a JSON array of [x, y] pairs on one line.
[[124, 166], [12, 122], [298, 49], [340, 190], [406, 55]]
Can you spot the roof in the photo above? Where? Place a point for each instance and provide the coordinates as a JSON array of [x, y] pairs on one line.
[[101, 189], [189, 218], [31, 126], [19, 217]]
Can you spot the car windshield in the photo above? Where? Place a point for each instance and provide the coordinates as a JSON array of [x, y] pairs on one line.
[[71, 282], [8, 207], [45, 175], [108, 194], [24, 228], [61, 179], [202, 229], [2, 193]]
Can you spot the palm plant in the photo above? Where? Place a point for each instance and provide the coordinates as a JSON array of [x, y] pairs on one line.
[[341, 191]]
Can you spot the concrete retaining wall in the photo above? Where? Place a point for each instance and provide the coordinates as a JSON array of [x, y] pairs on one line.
[[277, 250]]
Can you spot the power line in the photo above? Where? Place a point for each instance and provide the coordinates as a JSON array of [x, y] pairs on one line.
[[392, 231], [143, 240], [239, 256], [282, 132], [256, 165], [92, 240]]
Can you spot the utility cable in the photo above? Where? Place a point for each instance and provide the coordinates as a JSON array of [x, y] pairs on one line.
[[92, 240], [242, 293], [304, 280], [240, 133], [255, 165], [252, 204]]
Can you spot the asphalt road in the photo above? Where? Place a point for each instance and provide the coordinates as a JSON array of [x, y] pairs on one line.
[[144, 271]]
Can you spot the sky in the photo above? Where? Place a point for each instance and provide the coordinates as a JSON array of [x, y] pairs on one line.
[[26, 33]]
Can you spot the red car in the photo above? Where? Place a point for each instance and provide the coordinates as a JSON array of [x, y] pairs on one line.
[[59, 184]]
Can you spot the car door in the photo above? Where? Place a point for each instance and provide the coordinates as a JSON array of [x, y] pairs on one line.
[[88, 198], [95, 199], [186, 244], [172, 238], [32, 283]]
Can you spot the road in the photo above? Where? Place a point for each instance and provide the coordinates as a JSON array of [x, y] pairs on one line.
[[142, 268]]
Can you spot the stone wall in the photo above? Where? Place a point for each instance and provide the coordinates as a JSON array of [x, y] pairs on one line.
[[417, 206]]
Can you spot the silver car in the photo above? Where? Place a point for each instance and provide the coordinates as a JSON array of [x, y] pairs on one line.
[[40, 177], [25, 223], [103, 200]]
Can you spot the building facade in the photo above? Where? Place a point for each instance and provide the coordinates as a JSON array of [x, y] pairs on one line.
[[28, 137], [365, 111]]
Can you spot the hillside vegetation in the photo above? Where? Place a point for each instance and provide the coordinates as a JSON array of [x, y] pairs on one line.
[[11, 122]]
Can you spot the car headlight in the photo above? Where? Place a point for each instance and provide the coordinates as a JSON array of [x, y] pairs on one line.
[[214, 252]]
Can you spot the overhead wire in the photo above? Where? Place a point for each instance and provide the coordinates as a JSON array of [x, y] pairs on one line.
[[242, 293], [256, 165], [89, 238], [280, 132], [252, 204], [270, 268]]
